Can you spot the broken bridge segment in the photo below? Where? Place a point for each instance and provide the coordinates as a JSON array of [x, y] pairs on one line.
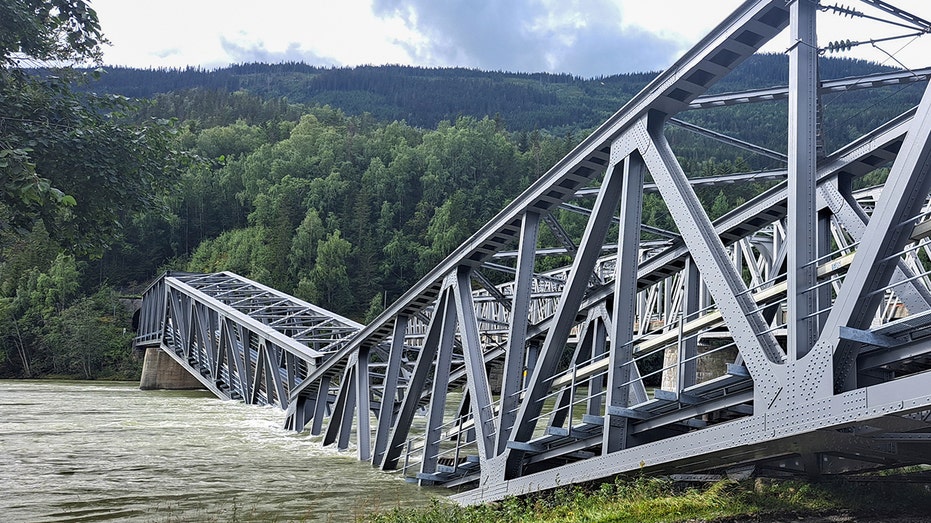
[[240, 339]]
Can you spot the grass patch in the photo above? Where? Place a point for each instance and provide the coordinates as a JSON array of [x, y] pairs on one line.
[[651, 500]]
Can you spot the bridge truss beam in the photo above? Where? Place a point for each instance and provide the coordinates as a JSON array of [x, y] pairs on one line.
[[240, 339], [790, 334]]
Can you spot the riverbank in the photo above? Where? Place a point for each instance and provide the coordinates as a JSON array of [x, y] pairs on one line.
[[648, 500]]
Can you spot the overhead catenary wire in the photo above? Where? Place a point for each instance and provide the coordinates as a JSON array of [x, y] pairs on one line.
[[843, 10], [920, 27]]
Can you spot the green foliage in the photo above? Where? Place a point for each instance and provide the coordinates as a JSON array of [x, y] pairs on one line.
[[239, 250], [647, 500], [328, 282], [69, 158], [91, 337], [228, 141], [60, 30], [57, 287], [376, 307], [403, 197], [303, 254], [87, 174], [448, 228], [76, 176], [341, 208], [47, 327], [422, 97]]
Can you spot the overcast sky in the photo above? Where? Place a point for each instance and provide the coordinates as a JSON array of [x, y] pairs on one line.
[[581, 37]]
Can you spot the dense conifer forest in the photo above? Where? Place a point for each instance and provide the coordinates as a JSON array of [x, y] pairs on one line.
[[342, 186], [422, 97]]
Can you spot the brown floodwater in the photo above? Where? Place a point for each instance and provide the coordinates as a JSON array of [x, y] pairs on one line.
[[92, 451]]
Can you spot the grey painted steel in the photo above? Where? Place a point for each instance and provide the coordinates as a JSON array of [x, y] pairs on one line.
[[671, 90], [446, 318], [425, 360], [890, 227], [564, 318], [720, 137], [550, 379], [240, 339], [756, 343], [912, 20], [803, 128], [617, 427], [389, 390], [363, 425], [472, 352], [512, 378], [828, 86], [914, 296]]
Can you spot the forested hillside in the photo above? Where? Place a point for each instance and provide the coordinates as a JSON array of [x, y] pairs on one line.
[[422, 97], [343, 186]]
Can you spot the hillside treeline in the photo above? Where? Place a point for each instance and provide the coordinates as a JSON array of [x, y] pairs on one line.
[[422, 97]]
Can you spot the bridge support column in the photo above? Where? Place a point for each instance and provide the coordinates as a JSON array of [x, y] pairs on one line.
[[159, 371]]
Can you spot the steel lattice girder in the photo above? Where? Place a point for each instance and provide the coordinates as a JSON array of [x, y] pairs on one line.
[[758, 383], [541, 382], [240, 339]]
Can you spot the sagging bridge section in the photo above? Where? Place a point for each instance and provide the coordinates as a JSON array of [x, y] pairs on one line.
[[790, 336]]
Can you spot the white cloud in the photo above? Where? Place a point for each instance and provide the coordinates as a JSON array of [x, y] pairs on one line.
[[214, 33], [590, 37]]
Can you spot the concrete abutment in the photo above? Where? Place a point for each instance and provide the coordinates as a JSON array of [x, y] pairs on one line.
[[160, 371]]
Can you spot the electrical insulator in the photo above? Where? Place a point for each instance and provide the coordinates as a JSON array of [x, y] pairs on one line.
[[841, 45]]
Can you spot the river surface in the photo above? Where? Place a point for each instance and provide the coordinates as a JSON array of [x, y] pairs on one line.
[[92, 451]]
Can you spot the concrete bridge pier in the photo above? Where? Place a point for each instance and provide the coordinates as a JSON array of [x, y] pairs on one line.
[[160, 371]]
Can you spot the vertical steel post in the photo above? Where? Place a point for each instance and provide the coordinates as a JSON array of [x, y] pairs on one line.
[[512, 379], [343, 397], [688, 364], [599, 339], [801, 225], [402, 423], [889, 229], [824, 292], [363, 386], [320, 405], [437, 407], [345, 420], [389, 390], [617, 393], [566, 312], [758, 346]]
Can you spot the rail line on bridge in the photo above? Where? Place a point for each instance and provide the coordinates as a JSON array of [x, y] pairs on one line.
[[792, 335]]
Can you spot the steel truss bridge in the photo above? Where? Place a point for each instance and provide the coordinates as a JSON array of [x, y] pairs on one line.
[[790, 336]]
